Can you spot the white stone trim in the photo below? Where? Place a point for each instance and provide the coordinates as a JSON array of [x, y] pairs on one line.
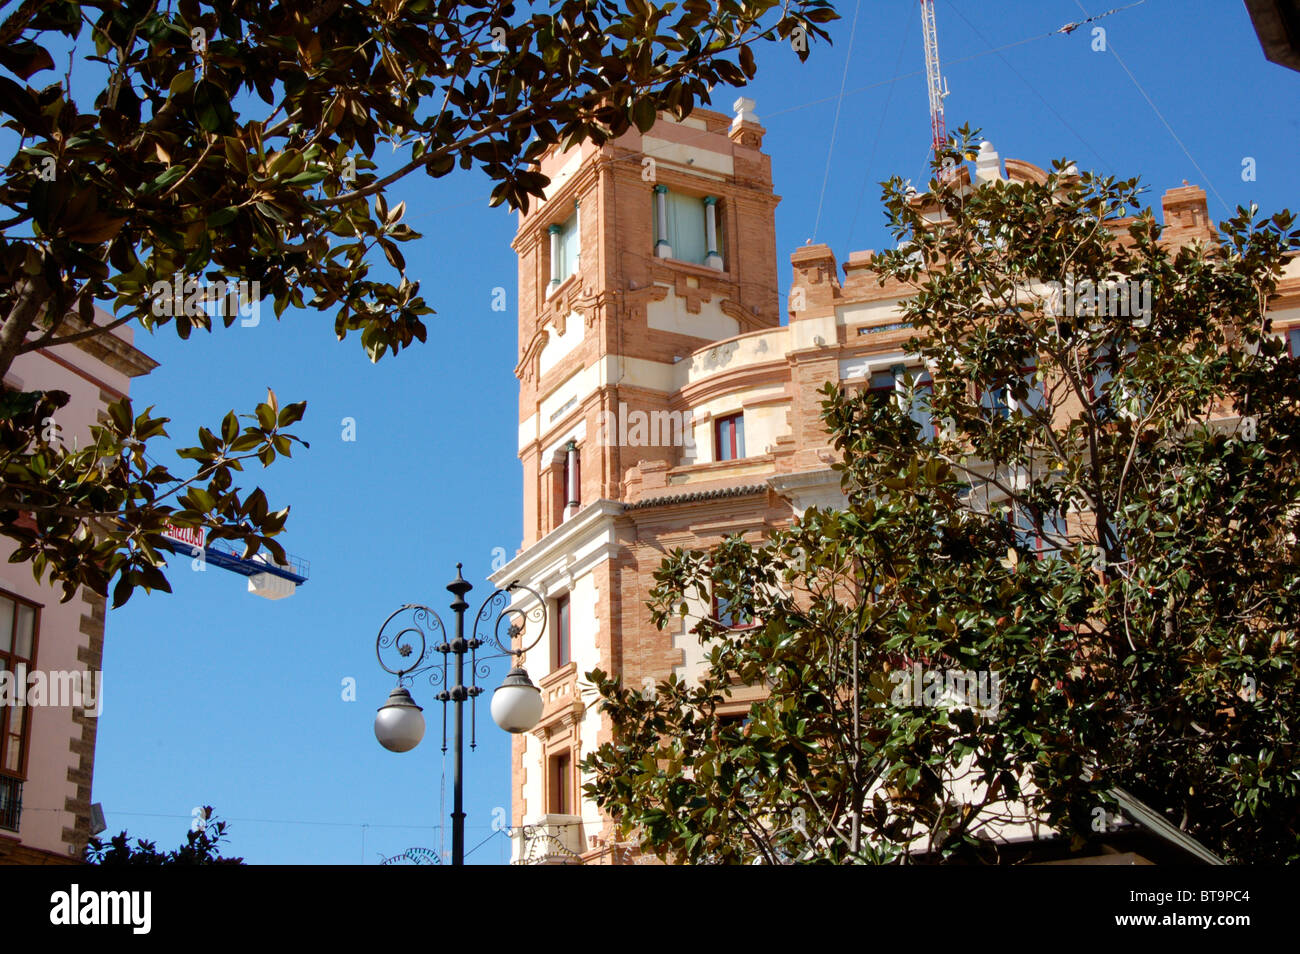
[[573, 548]]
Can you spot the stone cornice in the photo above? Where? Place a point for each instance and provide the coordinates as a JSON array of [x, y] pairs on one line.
[[110, 349], [785, 484], [591, 520], [773, 373]]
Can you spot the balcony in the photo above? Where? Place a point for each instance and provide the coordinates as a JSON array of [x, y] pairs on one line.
[[550, 840]]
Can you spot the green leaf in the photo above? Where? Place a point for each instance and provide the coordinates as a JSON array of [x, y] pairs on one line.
[[644, 114], [308, 178], [292, 413], [181, 83], [122, 591], [25, 58], [166, 178], [222, 217], [212, 107]]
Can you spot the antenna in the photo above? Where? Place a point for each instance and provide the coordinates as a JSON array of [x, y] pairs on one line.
[[935, 83]]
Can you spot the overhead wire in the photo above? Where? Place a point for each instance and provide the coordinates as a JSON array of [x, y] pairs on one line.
[[835, 123], [1161, 116], [880, 131], [484, 841], [687, 140], [1030, 86], [300, 821]]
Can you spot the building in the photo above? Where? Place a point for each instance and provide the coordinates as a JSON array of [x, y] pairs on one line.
[[1277, 24], [47, 740], [663, 404]]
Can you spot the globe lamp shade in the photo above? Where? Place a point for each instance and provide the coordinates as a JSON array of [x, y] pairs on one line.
[[399, 725], [516, 703]]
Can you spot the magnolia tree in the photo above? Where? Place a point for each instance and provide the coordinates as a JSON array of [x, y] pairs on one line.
[[1065, 567], [202, 846], [194, 158]]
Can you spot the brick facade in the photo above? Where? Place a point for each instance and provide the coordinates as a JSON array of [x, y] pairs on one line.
[[632, 333]]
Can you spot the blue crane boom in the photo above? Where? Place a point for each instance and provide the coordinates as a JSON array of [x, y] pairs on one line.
[[265, 577]]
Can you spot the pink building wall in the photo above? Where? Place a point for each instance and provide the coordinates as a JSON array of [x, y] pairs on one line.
[[54, 820]]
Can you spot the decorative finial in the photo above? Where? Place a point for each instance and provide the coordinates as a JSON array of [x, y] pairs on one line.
[[744, 107]]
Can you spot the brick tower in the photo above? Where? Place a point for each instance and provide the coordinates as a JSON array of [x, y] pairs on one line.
[[644, 252]]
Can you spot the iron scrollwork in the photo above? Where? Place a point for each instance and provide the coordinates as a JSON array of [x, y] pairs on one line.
[[518, 620], [423, 624], [414, 625]]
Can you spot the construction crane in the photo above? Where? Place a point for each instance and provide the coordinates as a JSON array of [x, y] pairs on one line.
[[266, 578], [937, 86], [935, 83]]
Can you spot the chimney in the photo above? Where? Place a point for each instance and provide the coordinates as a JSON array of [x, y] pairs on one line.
[[1186, 214]]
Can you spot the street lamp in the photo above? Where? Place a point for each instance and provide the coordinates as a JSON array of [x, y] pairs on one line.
[[516, 703]]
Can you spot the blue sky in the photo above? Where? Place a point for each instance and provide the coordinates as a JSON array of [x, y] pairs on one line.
[[213, 696]]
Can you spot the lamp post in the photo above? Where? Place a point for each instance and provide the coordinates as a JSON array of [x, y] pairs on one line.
[[516, 703]]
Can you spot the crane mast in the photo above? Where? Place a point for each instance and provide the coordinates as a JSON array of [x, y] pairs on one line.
[[934, 81]]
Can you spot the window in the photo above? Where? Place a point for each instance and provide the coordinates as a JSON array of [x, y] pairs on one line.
[[564, 248], [18, 629], [1034, 398], [559, 799], [729, 437], [994, 400], [559, 496], [883, 386], [686, 228], [565, 477], [1042, 536], [892, 385], [732, 619], [560, 657], [11, 802], [919, 409], [1293, 342], [1106, 362]]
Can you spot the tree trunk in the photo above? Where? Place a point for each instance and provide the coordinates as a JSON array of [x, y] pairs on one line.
[[33, 295]]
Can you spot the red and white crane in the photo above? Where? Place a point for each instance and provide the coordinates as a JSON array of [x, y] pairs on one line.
[[935, 84]]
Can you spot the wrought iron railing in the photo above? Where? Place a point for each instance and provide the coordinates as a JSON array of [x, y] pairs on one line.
[[11, 802], [542, 846]]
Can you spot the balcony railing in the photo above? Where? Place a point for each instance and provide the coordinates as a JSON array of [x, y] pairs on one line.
[[551, 840], [11, 802]]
